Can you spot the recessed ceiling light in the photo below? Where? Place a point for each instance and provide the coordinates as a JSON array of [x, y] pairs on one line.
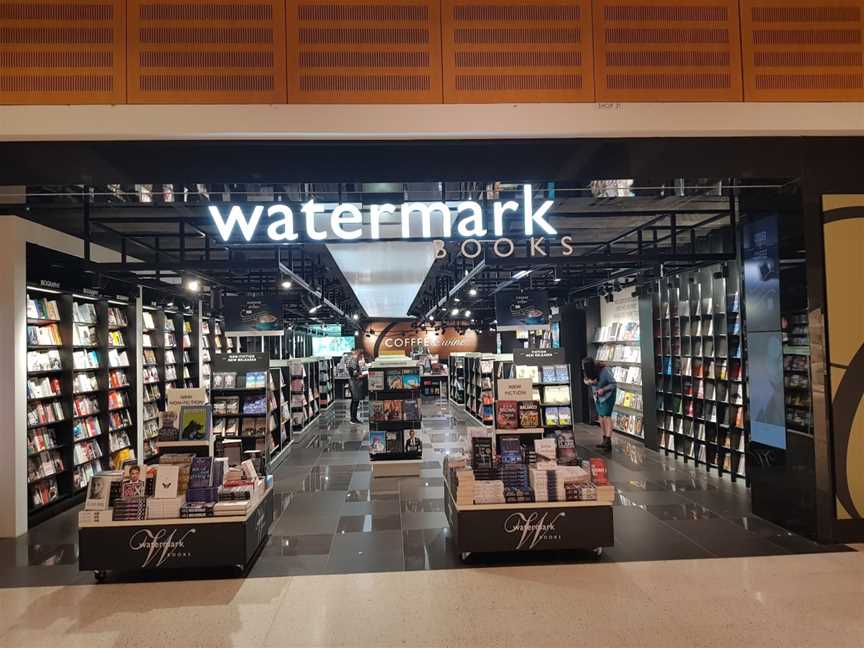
[[454, 312]]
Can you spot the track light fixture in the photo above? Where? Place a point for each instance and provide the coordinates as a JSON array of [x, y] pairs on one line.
[[286, 284], [193, 285], [355, 317], [472, 292]]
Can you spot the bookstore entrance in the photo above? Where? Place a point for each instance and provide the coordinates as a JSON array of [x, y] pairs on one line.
[[635, 346]]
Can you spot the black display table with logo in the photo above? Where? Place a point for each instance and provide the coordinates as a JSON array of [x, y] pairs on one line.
[[147, 545], [540, 526]]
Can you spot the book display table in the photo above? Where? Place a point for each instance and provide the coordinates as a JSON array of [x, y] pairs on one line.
[[538, 526], [146, 545]]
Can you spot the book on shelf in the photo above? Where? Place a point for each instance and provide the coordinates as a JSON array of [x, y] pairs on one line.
[[529, 414], [507, 415], [393, 410], [377, 442], [411, 410], [394, 379], [44, 360], [42, 308]]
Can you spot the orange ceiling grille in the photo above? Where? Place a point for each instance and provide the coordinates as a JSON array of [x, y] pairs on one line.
[[802, 51], [517, 50], [351, 51], [660, 50], [207, 52], [62, 52]]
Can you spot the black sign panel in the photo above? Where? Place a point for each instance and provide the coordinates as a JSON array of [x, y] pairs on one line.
[[515, 309], [527, 528], [241, 362], [258, 315], [539, 357], [151, 545]]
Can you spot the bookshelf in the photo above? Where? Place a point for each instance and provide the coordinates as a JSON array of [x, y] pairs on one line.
[[190, 350], [302, 378], [796, 371], [171, 352], [80, 395], [699, 369], [457, 380], [550, 379], [241, 400], [479, 387], [326, 384], [153, 357], [205, 351], [394, 414], [617, 346]]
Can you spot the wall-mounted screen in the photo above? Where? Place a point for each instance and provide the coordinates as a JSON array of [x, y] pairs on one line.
[[328, 345]]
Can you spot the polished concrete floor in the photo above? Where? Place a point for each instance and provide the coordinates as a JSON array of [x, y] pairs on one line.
[[750, 583], [333, 517], [784, 601]]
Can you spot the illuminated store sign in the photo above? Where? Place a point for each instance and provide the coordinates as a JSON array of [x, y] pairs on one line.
[[466, 220]]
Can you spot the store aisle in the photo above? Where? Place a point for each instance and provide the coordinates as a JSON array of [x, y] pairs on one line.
[[332, 517], [335, 518]]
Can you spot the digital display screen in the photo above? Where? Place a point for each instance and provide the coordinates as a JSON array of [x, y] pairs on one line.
[[329, 346]]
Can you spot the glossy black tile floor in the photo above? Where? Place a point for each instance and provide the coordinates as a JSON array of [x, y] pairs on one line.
[[332, 517]]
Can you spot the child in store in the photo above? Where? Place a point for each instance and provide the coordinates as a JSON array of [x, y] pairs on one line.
[[604, 387]]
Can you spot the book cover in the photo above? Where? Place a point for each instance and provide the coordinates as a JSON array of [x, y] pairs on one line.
[[410, 380], [393, 441], [376, 381], [529, 414], [507, 415], [376, 411], [562, 373], [194, 422], [546, 450], [566, 443], [133, 488], [598, 472], [549, 374], [167, 478], [201, 472], [563, 416], [481, 452], [394, 379], [410, 410], [511, 450], [392, 410], [376, 442], [550, 416]]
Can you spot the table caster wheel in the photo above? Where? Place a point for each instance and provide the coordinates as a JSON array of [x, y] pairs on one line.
[[100, 575], [598, 552], [465, 555]]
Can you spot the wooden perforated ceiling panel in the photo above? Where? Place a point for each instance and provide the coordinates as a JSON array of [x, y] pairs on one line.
[[665, 50], [214, 51], [802, 51], [62, 52], [517, 50], [351, 51]]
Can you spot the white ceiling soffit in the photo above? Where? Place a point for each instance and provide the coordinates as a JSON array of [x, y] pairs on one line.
[[385, 276]]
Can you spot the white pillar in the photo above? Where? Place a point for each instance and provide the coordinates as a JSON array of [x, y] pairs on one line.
[[13, 379]]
